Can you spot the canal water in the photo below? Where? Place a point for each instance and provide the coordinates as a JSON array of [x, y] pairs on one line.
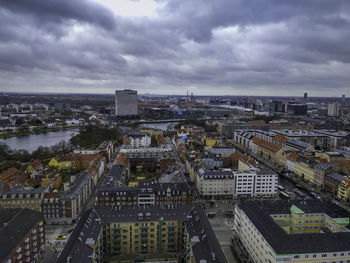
[[33, 141]]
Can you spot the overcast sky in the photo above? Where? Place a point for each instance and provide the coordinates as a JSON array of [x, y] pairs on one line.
[[208, 47]]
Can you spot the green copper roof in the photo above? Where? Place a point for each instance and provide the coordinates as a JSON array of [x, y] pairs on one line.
[[341, 221], [296, 210], [168, 192]]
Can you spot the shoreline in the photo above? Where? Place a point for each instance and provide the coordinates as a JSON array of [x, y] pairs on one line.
[[5, 136]]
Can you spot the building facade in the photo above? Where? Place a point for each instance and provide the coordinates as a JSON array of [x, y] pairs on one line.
[[292, 231], [22, 235], [125, 102]]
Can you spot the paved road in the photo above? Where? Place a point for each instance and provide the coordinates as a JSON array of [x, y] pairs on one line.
[[53, 246]]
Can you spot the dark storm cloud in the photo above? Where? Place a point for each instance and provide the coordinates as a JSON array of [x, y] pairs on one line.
[[208, 46], [53, 11]]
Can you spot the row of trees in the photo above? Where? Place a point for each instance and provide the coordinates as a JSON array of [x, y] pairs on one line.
[[14, 158], [95, 135], [200, 123]]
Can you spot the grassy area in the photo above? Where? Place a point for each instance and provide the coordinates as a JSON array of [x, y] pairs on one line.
[[36, 131]]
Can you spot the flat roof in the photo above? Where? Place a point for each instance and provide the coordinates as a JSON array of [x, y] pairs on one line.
[[259, 213]]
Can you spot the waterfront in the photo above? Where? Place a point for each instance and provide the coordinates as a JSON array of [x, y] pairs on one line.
[[164, 126], [33, 141]]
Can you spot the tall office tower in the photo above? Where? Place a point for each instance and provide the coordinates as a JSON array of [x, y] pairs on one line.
[[343, 98], [125, 102], [305, 95], [333, 109]]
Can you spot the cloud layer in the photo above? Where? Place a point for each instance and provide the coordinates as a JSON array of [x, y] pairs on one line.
[[233, 47]]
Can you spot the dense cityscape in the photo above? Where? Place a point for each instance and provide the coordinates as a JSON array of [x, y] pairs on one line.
[[146, 178], [166, 131]]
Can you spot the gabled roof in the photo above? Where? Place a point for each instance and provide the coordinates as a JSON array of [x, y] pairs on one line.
[[270, 146], [293, 156], [281, 138], [256, 140]]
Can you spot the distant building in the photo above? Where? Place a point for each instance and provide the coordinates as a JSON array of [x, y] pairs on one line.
[[22, 235], [297, 109], [305, 95], [293, 231], [333, 109], [125, 102], [276, 106], [62, 106], [322, 112]]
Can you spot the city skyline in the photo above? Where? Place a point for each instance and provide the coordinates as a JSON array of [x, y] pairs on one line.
[[232, 48]]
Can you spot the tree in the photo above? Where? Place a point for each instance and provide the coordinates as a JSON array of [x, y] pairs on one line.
[[154, 142]]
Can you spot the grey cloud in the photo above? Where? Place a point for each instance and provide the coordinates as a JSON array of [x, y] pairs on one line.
[[273, 45], [53, 11]]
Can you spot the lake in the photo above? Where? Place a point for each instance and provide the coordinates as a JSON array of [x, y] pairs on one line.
[[33, 141]]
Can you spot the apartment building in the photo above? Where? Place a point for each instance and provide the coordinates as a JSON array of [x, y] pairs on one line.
[[24, 197], [22, 235], [150, 234], [236, 184], [148, 193], [224, 151], [293, 231], [305, 169], [76, 194], [139, 139], [344, 191], [215, 183], [255, 183]]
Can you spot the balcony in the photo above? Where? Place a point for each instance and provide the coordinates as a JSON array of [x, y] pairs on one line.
[[34, 231], [18, 250], [144, 227], [26, 246], [41, 223], [41, 229], [19, 256], [144, 239], [26, 240], [27, 253]]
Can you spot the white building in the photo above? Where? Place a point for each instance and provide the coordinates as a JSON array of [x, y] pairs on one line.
[[224, 151], [139, 139], [255, 184], [215, 183], [228, 183], [125, 102], [333, 109]]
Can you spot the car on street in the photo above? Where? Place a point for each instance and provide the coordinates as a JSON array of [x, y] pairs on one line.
[[61, 237]]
